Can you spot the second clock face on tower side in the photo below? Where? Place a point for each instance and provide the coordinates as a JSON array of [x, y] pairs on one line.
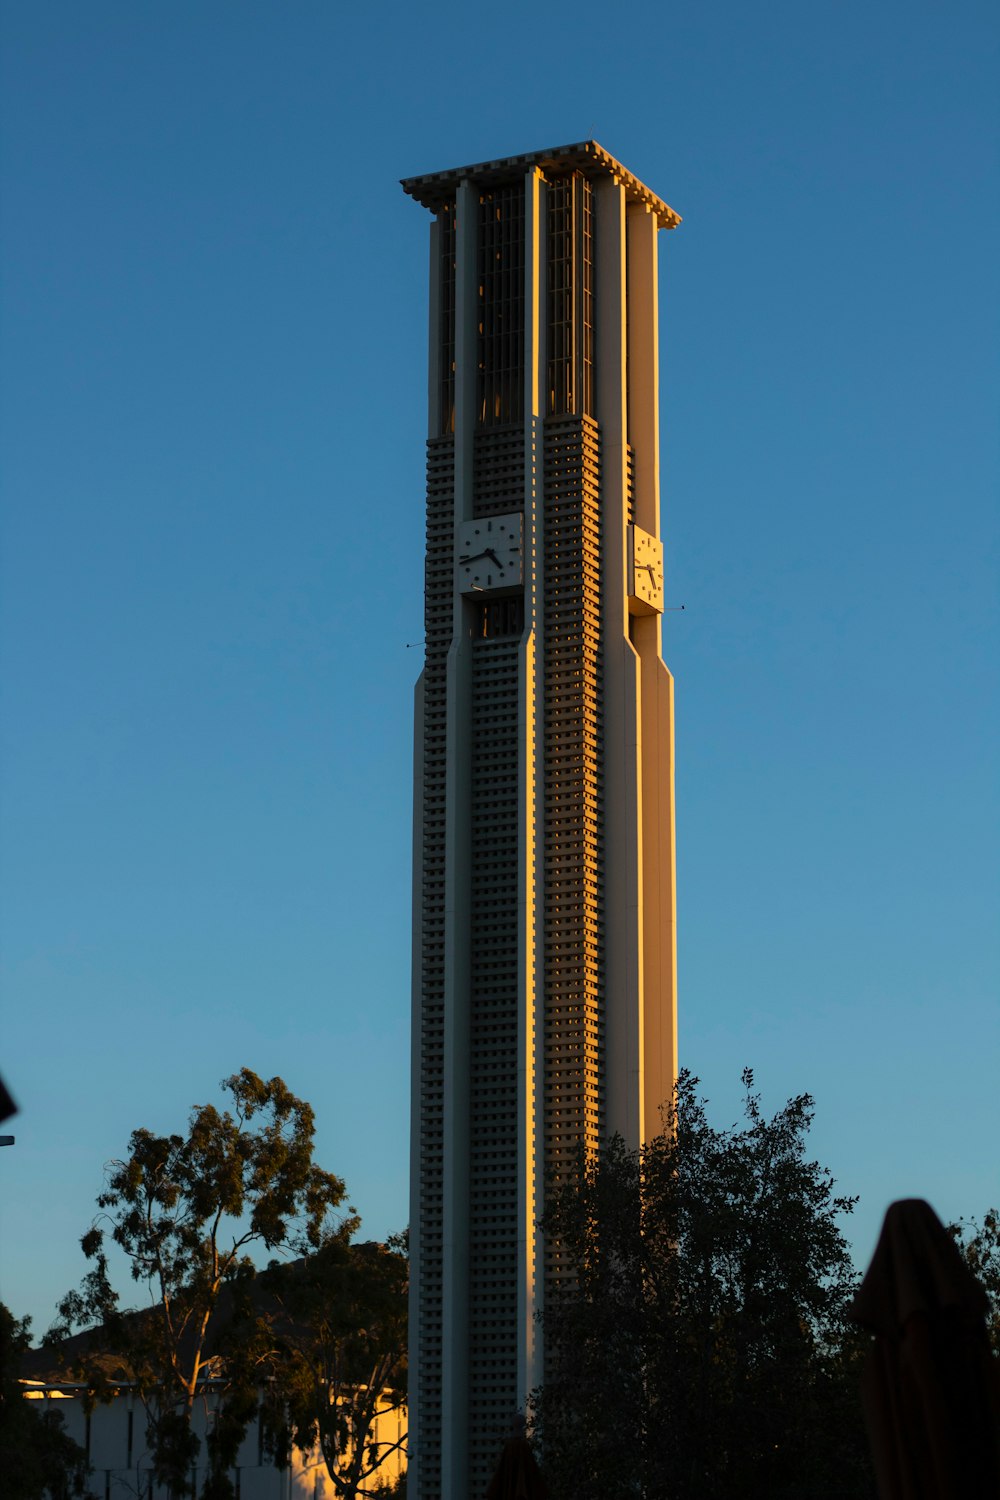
[[489, 554], [645, 585]]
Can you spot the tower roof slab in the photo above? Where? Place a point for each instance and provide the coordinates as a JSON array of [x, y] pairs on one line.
[[434, 189]]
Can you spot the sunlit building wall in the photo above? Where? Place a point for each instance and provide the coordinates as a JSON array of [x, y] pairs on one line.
[[113, 1437], [544, 982]]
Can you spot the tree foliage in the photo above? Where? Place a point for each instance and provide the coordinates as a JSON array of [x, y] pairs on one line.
[[701, 1346], [185, 1211], [36, 1454], [980, 1245]]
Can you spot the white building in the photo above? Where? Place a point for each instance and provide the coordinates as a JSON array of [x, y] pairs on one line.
[[113, 1436]]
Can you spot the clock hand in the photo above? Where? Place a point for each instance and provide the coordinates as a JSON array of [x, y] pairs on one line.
[[466, 561]]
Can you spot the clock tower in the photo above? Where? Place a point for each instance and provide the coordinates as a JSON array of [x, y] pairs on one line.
[[544, 965]]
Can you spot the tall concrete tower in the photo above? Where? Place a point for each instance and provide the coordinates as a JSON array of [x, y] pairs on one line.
[[544, 973]]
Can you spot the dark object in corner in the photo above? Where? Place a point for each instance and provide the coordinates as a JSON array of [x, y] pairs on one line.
[[930, 1385], [517, 1475], [7, 1105]]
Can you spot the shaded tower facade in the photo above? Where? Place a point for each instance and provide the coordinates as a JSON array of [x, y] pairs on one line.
[[544, 978]]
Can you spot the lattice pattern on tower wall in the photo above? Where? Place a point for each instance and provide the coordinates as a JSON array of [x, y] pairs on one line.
[[498, 470], [573, 802], [500, 261], [493, 1055], [439, 570]]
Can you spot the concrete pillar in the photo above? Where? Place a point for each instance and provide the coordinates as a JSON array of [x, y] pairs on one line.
[[622, 909]]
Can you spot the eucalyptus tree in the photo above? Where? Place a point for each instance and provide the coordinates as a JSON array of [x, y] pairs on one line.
[[186, 1211]]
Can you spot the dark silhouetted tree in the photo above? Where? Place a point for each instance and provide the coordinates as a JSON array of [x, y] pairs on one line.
[[37, 1456], [701, 1348], [980, 1245]]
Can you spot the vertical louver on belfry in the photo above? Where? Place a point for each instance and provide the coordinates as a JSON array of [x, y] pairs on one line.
[[500, 257], [569, 355], [543, 873], [445, 275]]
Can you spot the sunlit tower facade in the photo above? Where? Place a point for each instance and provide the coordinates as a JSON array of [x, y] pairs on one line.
[[544, 974]]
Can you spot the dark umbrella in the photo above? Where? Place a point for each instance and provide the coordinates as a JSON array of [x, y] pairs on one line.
[[929, 1385], [517, 1475]]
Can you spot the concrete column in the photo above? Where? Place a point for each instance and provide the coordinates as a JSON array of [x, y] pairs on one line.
[[643, 366], [656, 801], [531, 990], [623, 913], [416, 1036], [658, 879], [458, 867]]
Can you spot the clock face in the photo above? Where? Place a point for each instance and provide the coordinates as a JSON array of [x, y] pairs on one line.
[[488, 554], [645, 588]]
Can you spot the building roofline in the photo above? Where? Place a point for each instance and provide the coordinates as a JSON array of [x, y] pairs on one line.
[[434, 189]]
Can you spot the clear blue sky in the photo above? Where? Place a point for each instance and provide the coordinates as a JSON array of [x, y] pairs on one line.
[[213, 374]]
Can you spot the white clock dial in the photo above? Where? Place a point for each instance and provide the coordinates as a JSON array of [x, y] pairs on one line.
[[645, 587], [489, 554]]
